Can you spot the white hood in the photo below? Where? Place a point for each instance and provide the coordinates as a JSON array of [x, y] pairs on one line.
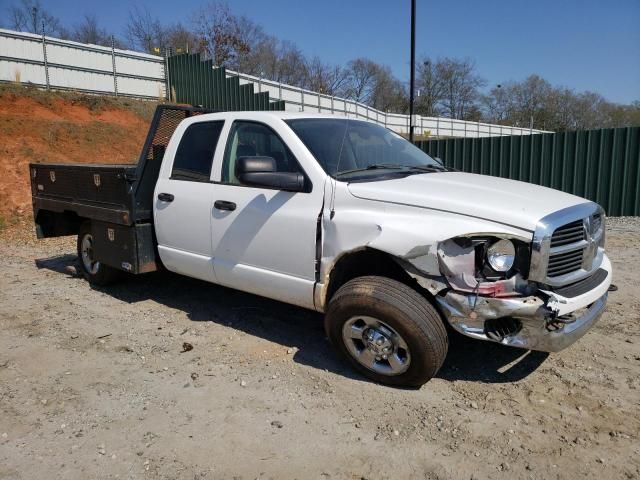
[[509, 202]]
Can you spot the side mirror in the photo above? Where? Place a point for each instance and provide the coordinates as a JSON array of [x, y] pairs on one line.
[[261, 172]]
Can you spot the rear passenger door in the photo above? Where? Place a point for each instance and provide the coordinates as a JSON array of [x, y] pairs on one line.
[[183, 200]]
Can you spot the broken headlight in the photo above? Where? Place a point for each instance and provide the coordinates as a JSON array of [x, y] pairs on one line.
[[499, 258], [485, 257], [470, 261], [501, 255]]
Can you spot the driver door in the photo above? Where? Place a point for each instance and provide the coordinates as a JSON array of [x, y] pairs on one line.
[[264, 239]]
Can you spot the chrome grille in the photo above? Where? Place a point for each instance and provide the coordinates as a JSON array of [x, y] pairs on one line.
[[568, 245], [566, 262], [570, 233]]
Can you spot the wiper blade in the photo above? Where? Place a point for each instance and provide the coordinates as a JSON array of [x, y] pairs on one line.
[[374, 166], [431, 168]]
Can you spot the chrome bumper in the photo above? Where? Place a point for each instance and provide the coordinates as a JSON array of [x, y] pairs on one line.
[[538, 329], [538, 318]]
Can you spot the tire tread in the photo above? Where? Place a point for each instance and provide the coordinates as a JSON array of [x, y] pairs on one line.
[[425, 318]]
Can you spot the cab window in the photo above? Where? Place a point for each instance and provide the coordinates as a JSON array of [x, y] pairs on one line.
[[194, 156], [251, 139]]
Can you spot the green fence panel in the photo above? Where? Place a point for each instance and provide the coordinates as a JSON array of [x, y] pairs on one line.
[[601, 165], [197, 82]]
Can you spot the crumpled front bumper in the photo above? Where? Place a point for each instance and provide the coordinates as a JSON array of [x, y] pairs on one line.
[[537, 316]]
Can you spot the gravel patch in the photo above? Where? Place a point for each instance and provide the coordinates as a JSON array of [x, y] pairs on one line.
[[623, 224]]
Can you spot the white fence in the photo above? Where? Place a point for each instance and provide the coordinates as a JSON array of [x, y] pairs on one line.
[[61, 64], [301, 100]]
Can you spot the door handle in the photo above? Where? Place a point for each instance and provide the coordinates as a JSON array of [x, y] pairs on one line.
[[224, 205], [165, 197]]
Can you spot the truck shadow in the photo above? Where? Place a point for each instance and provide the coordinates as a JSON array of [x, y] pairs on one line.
[[297, 328], [485, 362]]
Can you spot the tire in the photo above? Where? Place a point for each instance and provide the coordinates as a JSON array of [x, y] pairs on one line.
[[396, 317], [94, 271]]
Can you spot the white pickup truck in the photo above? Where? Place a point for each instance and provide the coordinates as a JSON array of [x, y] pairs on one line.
[[344, 217]]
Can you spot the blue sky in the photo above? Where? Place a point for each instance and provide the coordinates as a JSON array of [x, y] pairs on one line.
[[585, 45]]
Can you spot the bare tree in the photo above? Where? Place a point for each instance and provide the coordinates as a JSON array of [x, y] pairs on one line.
[[498, 104], [324, 78], [261, 57], [252, 35], [389, 94], [361, 79], [263, 60], [180, 39], [89, 31], [290, 64], [530, 96], [430, 87], [219, 33], [30, 16], [624, 115], [521, 103], [535, 102], [460, 85], [144, 31], [276, 60]]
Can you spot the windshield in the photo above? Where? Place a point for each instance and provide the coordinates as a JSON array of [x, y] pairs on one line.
[[348, 149]]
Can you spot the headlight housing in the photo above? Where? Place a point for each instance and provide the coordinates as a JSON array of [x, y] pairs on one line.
[[501, 255]]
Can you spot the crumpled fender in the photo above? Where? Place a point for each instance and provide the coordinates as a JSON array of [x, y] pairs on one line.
[[410, 235]]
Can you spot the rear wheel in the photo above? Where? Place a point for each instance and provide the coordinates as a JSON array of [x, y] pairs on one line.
[[387, 331], [92, 269]]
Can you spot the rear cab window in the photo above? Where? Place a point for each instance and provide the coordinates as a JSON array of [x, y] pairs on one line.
[[194, 157]]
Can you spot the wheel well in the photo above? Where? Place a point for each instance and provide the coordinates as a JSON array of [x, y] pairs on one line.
[[57, 224], [367, 262]]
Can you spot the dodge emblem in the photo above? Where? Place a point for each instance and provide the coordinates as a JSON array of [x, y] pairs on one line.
[[96, 179], [52, 176], [111, 234]]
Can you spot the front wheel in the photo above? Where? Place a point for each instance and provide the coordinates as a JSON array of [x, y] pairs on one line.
[[93, 270], [387, 331]]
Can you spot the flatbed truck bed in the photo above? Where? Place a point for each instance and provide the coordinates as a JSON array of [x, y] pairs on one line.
[[118, 199]]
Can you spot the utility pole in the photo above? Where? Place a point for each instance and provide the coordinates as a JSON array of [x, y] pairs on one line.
[[413, 67]]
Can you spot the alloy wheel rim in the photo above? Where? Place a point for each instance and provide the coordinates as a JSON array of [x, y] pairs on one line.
[[376, 346], [86, 250]]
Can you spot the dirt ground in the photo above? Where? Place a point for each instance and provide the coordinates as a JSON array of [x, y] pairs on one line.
[[94, 383]]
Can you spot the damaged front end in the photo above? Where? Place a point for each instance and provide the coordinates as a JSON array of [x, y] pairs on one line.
[[494, 301]]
